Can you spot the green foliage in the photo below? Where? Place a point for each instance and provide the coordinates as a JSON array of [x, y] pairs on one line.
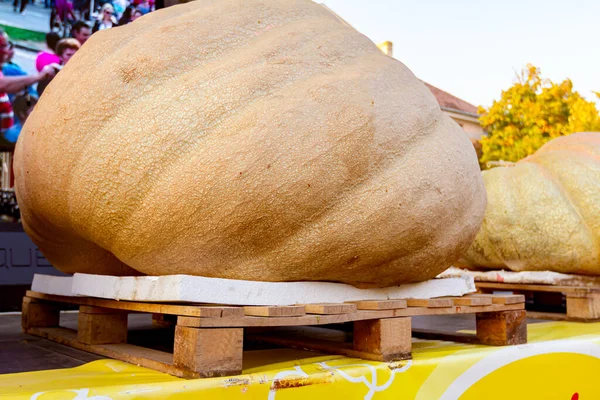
[[532, 112]]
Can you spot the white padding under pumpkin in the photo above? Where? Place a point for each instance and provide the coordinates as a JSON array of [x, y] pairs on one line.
[[197, 289]]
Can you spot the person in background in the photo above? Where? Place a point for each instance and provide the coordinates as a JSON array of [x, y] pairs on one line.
[[145, 7], [119, 6], [18, 100], [65, 49], [81, 31], [23, 106], [106, 19], [20, 9], [48, 57], [63, 14], [82, 9], [136, 15], [14, 84], [127, 16], [10, 68]]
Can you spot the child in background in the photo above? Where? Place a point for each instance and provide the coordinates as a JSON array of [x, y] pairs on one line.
[[48, 57], [22, 107], [65, 49]]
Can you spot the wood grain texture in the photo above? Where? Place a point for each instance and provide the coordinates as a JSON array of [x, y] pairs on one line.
[[472, 301], [274, 311], [583, 308], [102, 328], [189, 310], [38, 314], [328, 309], [209, 351], [430, 303], [390, 338], [339, 318], [502, 328], [487, 286], [380, 304]]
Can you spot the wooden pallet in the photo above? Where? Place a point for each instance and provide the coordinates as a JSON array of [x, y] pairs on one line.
[[582, 303], [209, 338]]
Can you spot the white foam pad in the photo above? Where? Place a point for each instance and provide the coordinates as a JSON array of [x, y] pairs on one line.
[[197, 289]]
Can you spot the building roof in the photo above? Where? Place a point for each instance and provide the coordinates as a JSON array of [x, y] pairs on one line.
[[452, 103]]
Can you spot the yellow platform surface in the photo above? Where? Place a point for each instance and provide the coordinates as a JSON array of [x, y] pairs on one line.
[[561, 361]]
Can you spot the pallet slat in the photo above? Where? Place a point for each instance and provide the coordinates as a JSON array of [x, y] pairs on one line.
[[441, 302], [328, 309], [583, 303], [472, 301], [189, 310], [380, 304], [274, 311]]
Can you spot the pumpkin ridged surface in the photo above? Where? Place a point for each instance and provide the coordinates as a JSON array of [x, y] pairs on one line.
[[263, 140], [544, 212]]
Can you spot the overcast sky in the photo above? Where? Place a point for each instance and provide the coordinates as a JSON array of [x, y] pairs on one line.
[[472, 48]]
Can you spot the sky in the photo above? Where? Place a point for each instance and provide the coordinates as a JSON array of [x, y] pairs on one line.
[[473, 48]]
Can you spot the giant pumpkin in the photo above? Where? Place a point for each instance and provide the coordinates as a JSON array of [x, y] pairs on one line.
[[543, 213], [259, 139]]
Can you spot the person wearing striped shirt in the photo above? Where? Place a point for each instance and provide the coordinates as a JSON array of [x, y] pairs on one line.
[[15, 84]]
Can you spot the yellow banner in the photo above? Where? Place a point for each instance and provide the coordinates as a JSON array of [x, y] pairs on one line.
[[561, 361]]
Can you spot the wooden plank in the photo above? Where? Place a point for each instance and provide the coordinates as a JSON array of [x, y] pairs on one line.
[[535, 288], [328, 309], [102, 328], [274, 311], [502, 328], [340, 318], [188, 310], [100, 310], [457, 337], [209, 351], [390, 338], [36, 314], [508, 299], [583, 308], [442, 302], [472, 301], [316, 344], [164, 320], [144, 357], [380, 304], [552, 316], [250, 321]]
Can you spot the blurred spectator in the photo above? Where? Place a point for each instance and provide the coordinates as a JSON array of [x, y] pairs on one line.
[[22, 106], [106, 19], [62, 15], [65, 49], [136, 15], [145, 7], [20, 9], [127, 16], [14, 84], [82, 8], [48, 57], [81, 31], [10, 68], [119, 6]]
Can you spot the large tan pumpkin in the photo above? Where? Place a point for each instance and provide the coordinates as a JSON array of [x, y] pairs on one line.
[[263, 140], [544, 212]]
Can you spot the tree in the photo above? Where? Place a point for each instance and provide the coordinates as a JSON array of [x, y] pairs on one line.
[[532, 112]]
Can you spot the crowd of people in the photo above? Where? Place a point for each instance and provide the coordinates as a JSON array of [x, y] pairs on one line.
[[71, 26]]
